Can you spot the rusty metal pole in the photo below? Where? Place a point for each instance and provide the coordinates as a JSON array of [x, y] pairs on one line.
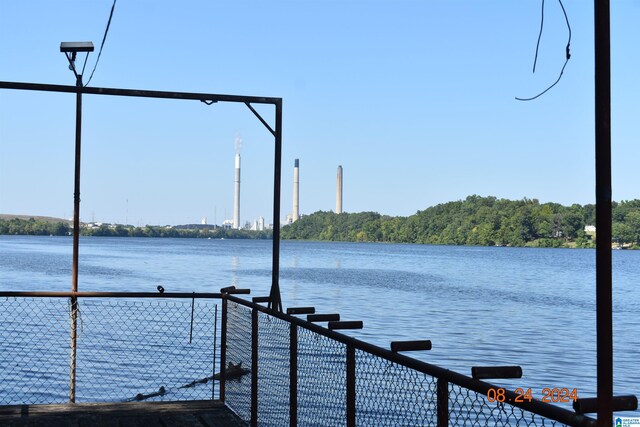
[[293, 375], [275, 301], [603, 211], [351, 386], [76, 240], [254, 367]]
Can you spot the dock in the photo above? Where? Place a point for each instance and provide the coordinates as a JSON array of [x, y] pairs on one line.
[[198, 413]]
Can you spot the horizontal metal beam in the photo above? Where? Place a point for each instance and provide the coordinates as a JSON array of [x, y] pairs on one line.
[[45, 294], [213, 97]]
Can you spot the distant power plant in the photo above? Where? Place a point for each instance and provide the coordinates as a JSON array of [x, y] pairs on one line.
[[296, 191], [339, 190], [295, 213], [236, 199]]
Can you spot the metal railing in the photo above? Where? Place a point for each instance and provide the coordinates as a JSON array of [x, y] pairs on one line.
[[128, 347], [275, 369], [300, 373]]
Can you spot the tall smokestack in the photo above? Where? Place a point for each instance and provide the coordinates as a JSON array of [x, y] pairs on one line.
[[339, 190], [296, 191], [236, 199]]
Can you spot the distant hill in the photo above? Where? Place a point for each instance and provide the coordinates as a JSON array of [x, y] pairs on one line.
[[482, 221], [47, 219]]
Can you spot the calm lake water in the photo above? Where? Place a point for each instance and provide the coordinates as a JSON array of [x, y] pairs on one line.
[[479, 306]]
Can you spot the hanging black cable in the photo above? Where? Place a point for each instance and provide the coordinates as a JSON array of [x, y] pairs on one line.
[[567, 54], [535, 59], [106, 31]]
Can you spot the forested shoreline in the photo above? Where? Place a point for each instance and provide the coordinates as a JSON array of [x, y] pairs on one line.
[[478, 221], [35, 227]]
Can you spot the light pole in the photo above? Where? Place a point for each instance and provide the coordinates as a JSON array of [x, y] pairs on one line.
[[71, 49]]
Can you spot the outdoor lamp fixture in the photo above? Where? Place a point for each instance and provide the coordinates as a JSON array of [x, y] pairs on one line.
[[71, 49]]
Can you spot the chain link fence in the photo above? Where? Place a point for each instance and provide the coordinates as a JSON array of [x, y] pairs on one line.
[[296, 357], [127, 350]]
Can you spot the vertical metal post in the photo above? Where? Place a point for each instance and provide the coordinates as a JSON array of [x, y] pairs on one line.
[[193, 303], [293, 375], [275, 301], [215, 343], [223, 345], [254, 367], [442, 394], [76, 240], [351, 386], [603, 212]]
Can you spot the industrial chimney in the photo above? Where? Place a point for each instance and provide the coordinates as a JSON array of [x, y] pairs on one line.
[[296, 191], [339, 190], [236, 199]]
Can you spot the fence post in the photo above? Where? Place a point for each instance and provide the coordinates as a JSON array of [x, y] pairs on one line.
[[74, 344], [442, 394], [351, 386], [293, 375], [223, 345], [215, 343], [254, 367]]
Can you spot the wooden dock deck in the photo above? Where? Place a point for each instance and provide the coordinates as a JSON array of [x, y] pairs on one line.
[[200, 413]]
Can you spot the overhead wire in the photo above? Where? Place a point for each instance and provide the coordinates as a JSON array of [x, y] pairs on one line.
[[567, 53], [535, 59], [106, 31]]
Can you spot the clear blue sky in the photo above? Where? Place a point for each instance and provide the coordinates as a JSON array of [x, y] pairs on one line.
[[414, 98]]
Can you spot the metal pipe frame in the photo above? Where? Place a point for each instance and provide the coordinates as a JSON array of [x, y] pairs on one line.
[[165, 295], [535, 406], [207, 98]]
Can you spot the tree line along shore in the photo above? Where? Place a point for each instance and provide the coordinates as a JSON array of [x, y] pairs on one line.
[[476, 220]]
